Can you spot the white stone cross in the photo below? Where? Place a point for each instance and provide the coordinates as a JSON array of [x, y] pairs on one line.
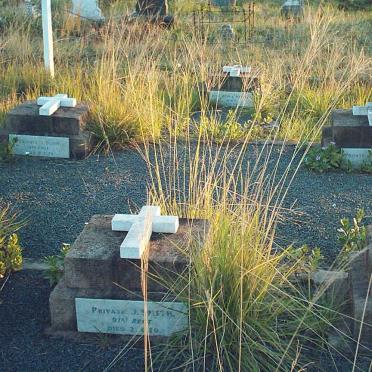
[[46, 16], [364, 111], [235, 70], [140, 227], [49, 105]]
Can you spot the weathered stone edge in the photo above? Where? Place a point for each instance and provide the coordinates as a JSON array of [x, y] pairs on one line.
[[40, 265]]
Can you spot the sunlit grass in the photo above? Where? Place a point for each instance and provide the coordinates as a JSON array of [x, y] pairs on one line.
[[143, 86], [138, 84]]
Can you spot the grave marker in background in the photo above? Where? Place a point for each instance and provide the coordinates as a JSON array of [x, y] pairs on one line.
[[227, 32], [234, 88], [154, 11], [352, 132], [87, 9], [30, 10], [49, 127], [293, 9], [223, 3], [364, 111]]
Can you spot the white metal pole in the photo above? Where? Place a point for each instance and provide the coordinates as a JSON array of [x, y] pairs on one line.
[[46, 13]]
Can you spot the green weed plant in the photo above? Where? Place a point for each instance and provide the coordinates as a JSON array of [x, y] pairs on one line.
[[55, 265], [322, 159], [10, 249], [352, 235]]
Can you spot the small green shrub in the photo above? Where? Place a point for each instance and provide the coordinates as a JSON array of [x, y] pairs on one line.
[[352, 235], [10, 254], [307, 259], [230, 129], [320, 159], [366, 167], [55, 265], [6, 150], [10, 249]]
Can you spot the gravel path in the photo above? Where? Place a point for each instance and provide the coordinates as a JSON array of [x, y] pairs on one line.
[[59, 196], [24, 314]]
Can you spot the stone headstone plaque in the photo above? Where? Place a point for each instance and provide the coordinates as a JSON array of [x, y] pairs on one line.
[[224, 3], [51, 147], [356, 156], [231, 99], [292, 8], [87, 9], [127, 317]]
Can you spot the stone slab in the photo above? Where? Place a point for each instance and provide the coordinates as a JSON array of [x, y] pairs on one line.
[[246, 82], [94, 259], [348, 137], [345, 118], [356, 156], [359, 279], [62, 302], [231, 99], [51, 147], [80, 145], [128, 317], [25, 119], [348, 131]]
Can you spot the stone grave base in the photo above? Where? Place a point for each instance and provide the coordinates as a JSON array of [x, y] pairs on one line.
[[104, 338], [349, 290], [348, 131], [351, 133], [44, 135], [94, 270]]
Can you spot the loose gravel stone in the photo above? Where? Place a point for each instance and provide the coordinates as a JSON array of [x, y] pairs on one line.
[[58, 196]]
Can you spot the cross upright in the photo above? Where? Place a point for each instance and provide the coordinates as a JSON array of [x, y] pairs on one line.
[[46, 15], [364, 111], [140, 227], [49, 105], [235, 70]]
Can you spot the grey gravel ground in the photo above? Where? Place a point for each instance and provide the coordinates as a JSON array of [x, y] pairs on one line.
[[58, 196], [24, 314]]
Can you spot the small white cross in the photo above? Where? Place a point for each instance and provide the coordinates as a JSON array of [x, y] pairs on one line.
[[235, 70], [364, 111], [140, 227], [49, 105]]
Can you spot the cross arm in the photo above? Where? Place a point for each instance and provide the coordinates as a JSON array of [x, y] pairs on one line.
[[65, 101], [160, 224]]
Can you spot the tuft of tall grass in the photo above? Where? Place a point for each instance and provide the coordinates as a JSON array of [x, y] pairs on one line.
[[245, 312], [139, 84]]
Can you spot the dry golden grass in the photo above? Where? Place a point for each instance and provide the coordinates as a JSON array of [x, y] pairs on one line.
[[144, 82]]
